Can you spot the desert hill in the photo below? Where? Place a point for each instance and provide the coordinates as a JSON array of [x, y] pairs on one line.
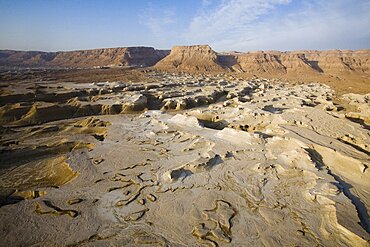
[[191, 58], [199, 58], [331, 61], [254, 149], [122, 56], [344, 70], [203, 58]]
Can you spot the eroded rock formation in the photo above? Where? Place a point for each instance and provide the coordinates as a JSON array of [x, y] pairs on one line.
[[188, 160]]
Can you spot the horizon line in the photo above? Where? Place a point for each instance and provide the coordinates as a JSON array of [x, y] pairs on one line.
[[169, 49]]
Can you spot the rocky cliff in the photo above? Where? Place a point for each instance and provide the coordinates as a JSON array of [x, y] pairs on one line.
[[123, 56], [196, 58], [340, 61], [275, 62], [201, 58]]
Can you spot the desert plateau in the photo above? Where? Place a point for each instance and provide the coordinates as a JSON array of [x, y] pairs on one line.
[[193, 123], [184, 147]]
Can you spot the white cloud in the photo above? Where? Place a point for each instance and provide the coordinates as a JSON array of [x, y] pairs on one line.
[[261, 25], [229, 16]]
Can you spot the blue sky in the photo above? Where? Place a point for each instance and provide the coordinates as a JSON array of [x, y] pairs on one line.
[[241, 25]]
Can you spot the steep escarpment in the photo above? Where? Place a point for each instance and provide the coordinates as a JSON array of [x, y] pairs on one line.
[[10, 58], [344, 70], [121, 56], [323, 66], [340, 61], [258, 62], [201, 58], [197, 58], [332, 62]]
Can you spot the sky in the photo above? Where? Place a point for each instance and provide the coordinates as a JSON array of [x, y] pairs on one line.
[[226, 25]]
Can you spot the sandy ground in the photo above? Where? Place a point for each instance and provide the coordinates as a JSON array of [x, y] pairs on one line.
[[183, 161]]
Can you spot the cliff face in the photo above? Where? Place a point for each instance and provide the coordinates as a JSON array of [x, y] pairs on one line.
[[296, 63], [197, 58], [201, 58], [25, 58], [125, 56], [334, 62], [258, 63], [341, 61]]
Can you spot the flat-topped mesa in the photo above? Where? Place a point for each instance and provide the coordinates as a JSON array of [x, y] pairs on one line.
[[196, 58], [121, 56]]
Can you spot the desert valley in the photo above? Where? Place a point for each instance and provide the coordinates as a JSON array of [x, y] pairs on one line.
[[184, 147]]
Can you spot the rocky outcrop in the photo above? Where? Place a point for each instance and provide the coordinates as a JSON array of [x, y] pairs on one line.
[[197, 58], [122, 56], [251, 162]]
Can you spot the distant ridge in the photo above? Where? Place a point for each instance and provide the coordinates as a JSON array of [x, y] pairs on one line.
[[122, 56], [203, 58], [200, 59]]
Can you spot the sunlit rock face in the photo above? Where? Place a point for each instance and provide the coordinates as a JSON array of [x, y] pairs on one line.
[[121, 56], [197, 58]]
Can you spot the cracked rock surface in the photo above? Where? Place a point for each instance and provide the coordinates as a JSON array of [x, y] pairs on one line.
[[186, 161]]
